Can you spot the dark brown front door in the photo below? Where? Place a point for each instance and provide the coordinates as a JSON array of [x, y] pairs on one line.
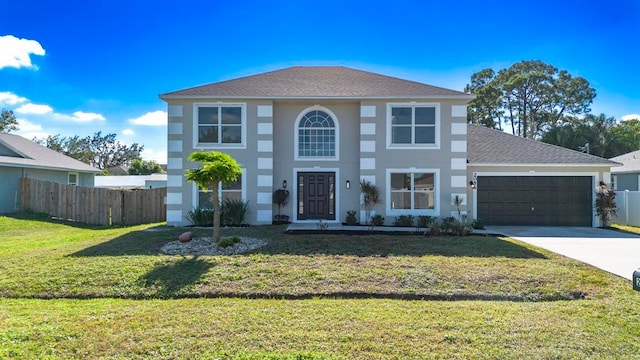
[[316, 196]]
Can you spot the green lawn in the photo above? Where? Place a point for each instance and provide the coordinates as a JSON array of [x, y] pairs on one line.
[[76, 291], [627, 228]]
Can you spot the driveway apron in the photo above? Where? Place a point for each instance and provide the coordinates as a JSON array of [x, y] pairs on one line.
[[613, 251]]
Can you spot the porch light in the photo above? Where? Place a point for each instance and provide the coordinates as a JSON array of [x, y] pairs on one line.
[[348, 184], [284, 184], [472, 185]]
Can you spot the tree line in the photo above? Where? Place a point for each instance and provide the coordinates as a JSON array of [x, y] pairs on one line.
[[538, 101]]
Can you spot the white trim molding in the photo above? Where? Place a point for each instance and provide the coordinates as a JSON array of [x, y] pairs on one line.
[[367, 128], [459, 146], [265, 163], [265, 146], [265, 128], [458, 164], [174, 146], [174, 198], [264, 198], [265, 111], [459, 181], [174, 163], [367, 163], [367, 146], [458, 129], [367, 111], [264, 215], [175, 110], [174, 129], [265, 180], [174, 216], [459, 111]]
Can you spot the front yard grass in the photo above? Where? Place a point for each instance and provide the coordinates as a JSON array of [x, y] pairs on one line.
[[72, 290]]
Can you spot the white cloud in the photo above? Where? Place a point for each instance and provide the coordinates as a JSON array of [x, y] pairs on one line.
[[9, 98], [127, 132], [630, 117], [79, 116], [158, 156], [155, 118], [30, 130], [34, 109], [16, 53]]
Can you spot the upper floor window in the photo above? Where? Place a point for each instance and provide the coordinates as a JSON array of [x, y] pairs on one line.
[[219, 125], [317, 134], [413, 125]]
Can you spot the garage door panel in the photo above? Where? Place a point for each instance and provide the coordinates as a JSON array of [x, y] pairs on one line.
[[535, 200]]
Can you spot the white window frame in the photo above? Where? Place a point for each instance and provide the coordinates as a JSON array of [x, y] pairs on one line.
[[243, 186], [243, 126], [436, 193], [336, 124], [614, 182], [77, 178], [413, 105]]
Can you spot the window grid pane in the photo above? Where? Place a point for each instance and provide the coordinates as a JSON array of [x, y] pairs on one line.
[[316, 135], [413, 125], [220, 125], [412, 191]]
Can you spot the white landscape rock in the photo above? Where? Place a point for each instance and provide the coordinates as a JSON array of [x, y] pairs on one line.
[[206, 246]]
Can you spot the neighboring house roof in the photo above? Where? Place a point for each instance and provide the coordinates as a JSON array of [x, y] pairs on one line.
[[494, 147], [118, 170], [28, 154], [127, 181], [630, 162], [317, 82]]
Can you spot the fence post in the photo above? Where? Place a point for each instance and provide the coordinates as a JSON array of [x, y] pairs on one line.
[[626, 207]]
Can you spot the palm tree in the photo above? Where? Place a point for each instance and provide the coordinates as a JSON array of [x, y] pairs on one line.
[[216, 167]]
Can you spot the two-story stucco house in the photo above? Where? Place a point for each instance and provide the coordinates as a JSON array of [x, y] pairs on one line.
[[318, 130]]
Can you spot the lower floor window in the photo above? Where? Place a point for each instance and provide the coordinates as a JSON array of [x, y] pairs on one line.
[[227, 190], [412, 191]]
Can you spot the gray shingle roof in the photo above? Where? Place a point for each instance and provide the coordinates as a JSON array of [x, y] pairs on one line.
[[317, 82], [489, 146], [630, 162], [33, 155]]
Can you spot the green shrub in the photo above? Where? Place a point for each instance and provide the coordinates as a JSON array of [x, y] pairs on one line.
[[404, 220], [452, 226], [434, 228], [478, 224], [234, 212], [226, 242], [377, 220], [424, 221], [200, 217], [351, 218]]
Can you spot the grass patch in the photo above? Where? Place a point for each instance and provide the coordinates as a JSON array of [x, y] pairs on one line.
[[301, 297], [627, 228]]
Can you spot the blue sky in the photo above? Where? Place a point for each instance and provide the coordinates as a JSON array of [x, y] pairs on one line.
[[74, 68]]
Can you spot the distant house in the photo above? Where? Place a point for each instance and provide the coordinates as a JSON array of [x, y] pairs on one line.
[[118, 170], [627, 176], [319, 130], [20, 157], [153, 181]]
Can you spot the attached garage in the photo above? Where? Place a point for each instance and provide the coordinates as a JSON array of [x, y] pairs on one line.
[[535, 200], [517, 181]]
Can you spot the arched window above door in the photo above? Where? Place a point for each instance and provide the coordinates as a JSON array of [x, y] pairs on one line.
[[316, 135]]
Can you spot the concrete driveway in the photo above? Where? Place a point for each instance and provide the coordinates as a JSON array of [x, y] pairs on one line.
[[613, 251]]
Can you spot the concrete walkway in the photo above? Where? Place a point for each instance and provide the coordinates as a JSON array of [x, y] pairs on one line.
[[613, 251]]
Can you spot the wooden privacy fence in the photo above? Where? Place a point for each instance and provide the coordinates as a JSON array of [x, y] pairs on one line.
[[93, 205]]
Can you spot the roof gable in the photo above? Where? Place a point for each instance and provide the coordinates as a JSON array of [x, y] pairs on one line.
[[317, 82], [26, 153], [488, 146], [630, 162]]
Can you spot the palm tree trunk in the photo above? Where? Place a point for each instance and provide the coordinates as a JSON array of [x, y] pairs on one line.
[[216, 212]]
